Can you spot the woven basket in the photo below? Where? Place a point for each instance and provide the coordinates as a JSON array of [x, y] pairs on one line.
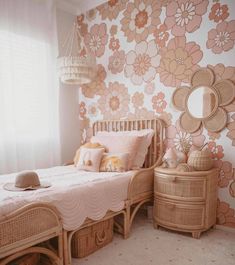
[[29, 259], [200, 160], [184, 167], [92, 238]]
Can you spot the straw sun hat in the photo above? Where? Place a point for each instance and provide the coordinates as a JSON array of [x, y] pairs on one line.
[[26, 180]]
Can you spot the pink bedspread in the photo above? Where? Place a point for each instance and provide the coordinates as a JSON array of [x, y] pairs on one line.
[[76, 194]]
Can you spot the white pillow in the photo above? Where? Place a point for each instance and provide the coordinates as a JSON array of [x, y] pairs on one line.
[[142, 150]]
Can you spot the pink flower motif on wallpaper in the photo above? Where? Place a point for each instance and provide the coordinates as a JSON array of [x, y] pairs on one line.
[[82, 109], [225, 172], [140, 19], [161, 35], [97, 39], [93, 110], [113, 30], [159, 104], [141, 113], [111, 9], [83, 27], [138, 99], [85, 130], [101, 73], [97, 86], [222, 38], [144, 113], [114, 103], [178, 61], [149, 88], [177, 137], [93, 88], [91, 14], [217, 151], [114, 44], [225, 214], [141, 63], [231, 130], [218, 12], [185, 15], [116, 62], [165, 2]]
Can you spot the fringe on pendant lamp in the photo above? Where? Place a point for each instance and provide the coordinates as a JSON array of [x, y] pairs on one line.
[[77, 65]]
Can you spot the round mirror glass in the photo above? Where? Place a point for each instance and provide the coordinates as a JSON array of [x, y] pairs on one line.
[[202, 102]]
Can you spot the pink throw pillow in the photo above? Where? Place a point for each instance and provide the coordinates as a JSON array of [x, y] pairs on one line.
[[142, 149], [90, 159], [119, 144]]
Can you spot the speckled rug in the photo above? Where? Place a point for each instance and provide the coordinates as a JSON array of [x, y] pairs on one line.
[[147, 246]]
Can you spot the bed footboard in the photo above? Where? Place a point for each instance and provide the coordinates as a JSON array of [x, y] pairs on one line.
[[30, 225]]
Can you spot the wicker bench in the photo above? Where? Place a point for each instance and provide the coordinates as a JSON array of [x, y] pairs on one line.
[[24, 230]]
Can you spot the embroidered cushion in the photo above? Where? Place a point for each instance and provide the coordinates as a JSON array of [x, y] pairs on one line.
[[87, 145], [90, 159]]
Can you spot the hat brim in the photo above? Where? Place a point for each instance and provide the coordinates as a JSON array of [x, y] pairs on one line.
[[12, 187]]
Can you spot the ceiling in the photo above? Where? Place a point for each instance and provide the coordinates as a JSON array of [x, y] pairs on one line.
[[78, 6]]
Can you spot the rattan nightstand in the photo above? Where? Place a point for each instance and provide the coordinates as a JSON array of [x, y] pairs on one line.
[[185, 201]]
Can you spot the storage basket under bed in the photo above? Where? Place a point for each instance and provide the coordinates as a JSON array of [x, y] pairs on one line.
[[92, 238]]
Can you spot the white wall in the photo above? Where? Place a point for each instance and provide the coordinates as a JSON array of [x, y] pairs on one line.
[[69, 106]]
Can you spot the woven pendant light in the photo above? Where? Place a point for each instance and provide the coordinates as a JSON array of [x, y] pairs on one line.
[[76, 66]]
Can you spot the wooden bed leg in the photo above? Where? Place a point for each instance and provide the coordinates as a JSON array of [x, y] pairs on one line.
[[126, 224], [60, 249], [65, 245]]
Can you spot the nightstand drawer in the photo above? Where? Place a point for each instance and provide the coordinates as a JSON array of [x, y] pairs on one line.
[[180, 187], [179, 215]]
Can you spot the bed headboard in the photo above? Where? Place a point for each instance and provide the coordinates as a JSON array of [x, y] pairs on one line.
[[155, 151]]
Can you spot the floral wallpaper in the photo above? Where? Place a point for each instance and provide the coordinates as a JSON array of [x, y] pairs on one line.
[[144, 50]]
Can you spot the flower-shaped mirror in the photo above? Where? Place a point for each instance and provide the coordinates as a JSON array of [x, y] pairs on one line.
[[203, 102]]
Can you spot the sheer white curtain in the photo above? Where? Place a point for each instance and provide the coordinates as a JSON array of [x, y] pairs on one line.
[[29, 129]]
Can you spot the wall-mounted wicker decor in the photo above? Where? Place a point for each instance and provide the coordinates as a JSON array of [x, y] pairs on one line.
[[203, 102]]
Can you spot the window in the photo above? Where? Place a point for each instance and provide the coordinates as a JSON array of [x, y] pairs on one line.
[[28, 103]]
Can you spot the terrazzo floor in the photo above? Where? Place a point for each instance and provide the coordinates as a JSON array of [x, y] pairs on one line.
[[147, 246]]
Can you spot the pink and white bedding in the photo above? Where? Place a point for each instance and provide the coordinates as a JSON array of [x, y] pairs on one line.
[[76, 194]]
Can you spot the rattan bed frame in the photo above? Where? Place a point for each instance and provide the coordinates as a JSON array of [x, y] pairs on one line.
[[140, 191]]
